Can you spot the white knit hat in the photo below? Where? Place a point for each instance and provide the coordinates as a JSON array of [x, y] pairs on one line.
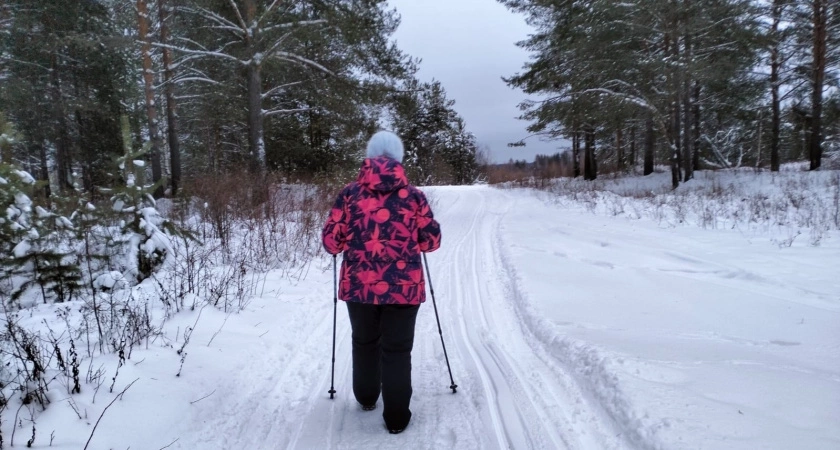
[[385, 143]]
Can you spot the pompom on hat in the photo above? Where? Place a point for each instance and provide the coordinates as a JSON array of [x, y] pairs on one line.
[[385, 143]]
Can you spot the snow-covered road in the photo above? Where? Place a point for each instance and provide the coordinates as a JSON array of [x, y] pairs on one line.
[[565, 330]]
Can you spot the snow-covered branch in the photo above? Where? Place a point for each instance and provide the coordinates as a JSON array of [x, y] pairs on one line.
[[18, 61], [239, 16], [195, 79], [236, 30], [201, 53], [268, 11], [290, 57], [631, 98], [275, 112], [292, 24], [213, 17], [276, 89], [276, 45]]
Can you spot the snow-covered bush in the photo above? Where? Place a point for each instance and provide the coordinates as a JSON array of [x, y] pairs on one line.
[[137, 236], [785, 205], [37, 249], [136, 268]]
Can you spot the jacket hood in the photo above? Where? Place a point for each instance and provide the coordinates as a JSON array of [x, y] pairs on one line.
[[382, 174]]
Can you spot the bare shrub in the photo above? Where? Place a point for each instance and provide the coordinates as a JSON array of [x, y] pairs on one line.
[[508, 173], [26, 359], [221, 197]]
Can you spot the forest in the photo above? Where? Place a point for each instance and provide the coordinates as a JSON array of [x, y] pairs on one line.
[[167, 165], [692, 84], [213, 86]]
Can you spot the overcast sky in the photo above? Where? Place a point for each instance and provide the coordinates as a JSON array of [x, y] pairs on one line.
[[469, 45]]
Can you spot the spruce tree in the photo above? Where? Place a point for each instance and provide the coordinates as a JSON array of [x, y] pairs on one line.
[[34, 241]]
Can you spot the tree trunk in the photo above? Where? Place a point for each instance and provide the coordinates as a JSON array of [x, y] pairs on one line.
[[818, 78], [633, 148], [576, 153], [760, 137], [171, 102], [619, 145], [590, 171], [63, 159], [695, 161], [775, 67], [255, 120], [148, 81], [674, 134], [649, 145], [686, 94], [675, 118], [44, 171], [256, 142]]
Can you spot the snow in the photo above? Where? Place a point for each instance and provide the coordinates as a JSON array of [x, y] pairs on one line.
[[42, 213], [22, 201], [24, 176], [694, 337], [566, 326], [110, 280], [63, 222], [22, 249]]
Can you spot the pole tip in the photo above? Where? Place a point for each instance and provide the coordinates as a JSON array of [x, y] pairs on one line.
[[332, 393], [454, 388]]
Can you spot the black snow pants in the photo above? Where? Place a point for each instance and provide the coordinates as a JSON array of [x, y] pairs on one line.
[[383, 336]]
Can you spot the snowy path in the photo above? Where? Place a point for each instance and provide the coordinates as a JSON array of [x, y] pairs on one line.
[[564, 330], [512, 393], [507, 397]]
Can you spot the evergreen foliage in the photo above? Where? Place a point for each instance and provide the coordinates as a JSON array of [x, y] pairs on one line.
[[688, 77], [35, 243], [438, 148], [295, 87]]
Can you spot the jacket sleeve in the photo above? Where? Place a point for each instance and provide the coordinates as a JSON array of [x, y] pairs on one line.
[[428, 233], [334, 234]]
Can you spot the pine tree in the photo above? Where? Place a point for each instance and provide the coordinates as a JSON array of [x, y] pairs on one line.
[[602, 65], [438, 147], [143, 241], [66, 85], [279, 50]]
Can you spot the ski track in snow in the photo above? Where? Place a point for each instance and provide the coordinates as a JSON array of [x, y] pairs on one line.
[[564, 329], [520, 385], [513, 391], [525, 382], [531, 402]]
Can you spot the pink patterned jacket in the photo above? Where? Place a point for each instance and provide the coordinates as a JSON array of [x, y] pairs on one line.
[[382, 224]]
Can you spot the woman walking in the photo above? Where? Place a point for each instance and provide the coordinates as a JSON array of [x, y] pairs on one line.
[[382, 224]]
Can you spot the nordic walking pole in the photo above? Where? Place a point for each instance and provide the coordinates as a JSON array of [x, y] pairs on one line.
[[335, 309], [453, 386]]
